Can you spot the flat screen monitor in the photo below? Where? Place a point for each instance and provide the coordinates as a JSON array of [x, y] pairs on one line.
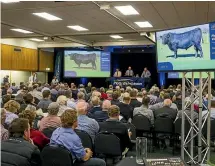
[[86, 63], [186, 49]]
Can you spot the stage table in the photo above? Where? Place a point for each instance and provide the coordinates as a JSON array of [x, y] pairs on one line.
[[135, 82]]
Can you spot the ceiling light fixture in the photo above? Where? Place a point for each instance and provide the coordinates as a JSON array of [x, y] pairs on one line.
[[78, 28], [21, 30], [9, 1], [47, 16], [37, 40], [144, 24], [127, 10], [116, 36]]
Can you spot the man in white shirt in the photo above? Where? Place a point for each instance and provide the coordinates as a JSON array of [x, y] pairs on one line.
[[129, 72], [33, 78], [118, 73]]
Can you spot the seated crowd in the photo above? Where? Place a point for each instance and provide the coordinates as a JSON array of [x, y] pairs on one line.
[[28, 111]]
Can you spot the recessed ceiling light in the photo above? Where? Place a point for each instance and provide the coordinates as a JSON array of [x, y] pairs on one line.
[[127, 10], [78, 28], [47, 16], [37, 40], [9, 1], [116, 36], [144, 24], [21, 30]]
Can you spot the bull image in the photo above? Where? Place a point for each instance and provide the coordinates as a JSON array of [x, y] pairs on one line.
[[85, 59], [184, 40]]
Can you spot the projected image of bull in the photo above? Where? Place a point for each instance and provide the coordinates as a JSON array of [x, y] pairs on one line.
[[84, 59], [184, 41]]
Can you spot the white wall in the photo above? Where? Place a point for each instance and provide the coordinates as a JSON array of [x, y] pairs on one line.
[[20, 43], [22, 76]]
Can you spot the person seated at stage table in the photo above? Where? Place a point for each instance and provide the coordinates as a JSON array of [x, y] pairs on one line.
[[129, 72], [117, 73]]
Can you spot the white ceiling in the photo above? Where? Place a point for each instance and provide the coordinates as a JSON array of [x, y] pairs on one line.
[[162, 15]]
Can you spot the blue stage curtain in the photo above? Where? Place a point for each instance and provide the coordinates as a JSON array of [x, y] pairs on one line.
[[196, 81], [58, 65], [162, 79], [83, 80]]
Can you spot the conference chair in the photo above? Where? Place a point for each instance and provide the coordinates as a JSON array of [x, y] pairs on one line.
[[56, 155], [48, 131], [143, 127], [107, 145], [85, 139], [132, 129], [164, 128]]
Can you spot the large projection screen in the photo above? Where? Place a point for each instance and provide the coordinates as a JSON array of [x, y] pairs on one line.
[[86, 64], [186, 49]]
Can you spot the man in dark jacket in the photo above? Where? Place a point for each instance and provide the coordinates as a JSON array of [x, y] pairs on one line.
[[115, 100], [125, 109], [19, 149], [113, 125], [134, 102], [166, 110], [44, 103]]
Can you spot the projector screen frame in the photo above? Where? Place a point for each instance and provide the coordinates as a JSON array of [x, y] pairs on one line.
[[81, 51], [185, 70]]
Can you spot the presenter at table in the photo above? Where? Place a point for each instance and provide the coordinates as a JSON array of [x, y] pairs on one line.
[[118, 73], [129, 72], [146, 75]]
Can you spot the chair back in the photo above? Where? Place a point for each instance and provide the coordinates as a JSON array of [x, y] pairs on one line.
[[141, 123], [107, 144], [85, 139], [48, 131], [56, 155], [177, 126], [164, 125], [132, 130]]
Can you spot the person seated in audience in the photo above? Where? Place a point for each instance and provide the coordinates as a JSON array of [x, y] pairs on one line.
[[61, 90], [166, 110], [23, 89], [70, 102], [140, 96], [35, 93], [44, 103], [188, 112], [178, 100], [110, 88], [103, 94], [115, 98], [12, 108], [126, 111], [74, 92], [67, 137], [161, 104], [5, 87], [152, 97], [5, 99], [28, 102], [52, 120], [89, 86], [212, 111], [62, 101], [38, 137], [113, 125], [134, 102], [4, 132], [80, 97], [84, 122], [144, 110], [98, 113], [46, 87], [19, 149]]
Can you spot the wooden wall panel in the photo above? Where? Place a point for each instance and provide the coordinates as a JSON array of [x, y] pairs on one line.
[[26, 59], [46, 60]]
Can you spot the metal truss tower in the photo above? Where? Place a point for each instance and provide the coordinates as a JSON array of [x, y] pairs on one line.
[[195, 148]]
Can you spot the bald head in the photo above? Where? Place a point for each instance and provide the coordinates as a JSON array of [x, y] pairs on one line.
[[106, 105], [81, 108], [167, 102]]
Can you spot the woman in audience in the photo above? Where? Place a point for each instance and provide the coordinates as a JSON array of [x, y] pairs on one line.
[[103, 94], [38, 137], [29, 102], [52, 120], [19, 150], [4, 132], [66, 136], [12, 108], [62, 101]]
